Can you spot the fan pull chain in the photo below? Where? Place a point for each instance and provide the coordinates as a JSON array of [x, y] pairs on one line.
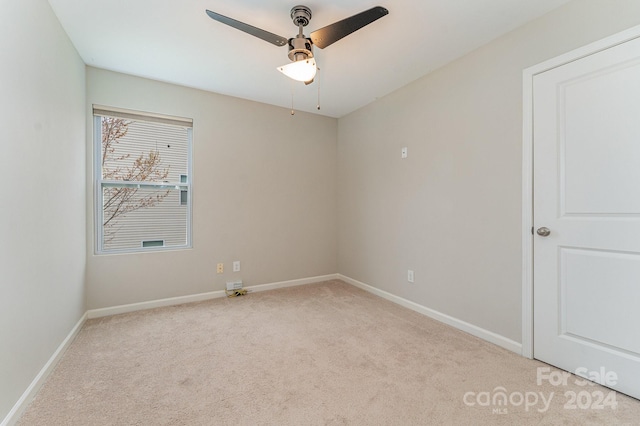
[[292, 92], [318, 91]]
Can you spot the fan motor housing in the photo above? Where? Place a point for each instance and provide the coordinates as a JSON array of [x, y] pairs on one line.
[[300, 48]]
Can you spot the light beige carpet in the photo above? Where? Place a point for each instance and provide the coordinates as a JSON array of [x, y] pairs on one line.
[[320, 354]]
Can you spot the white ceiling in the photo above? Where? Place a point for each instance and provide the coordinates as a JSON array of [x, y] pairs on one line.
[[175, 41]]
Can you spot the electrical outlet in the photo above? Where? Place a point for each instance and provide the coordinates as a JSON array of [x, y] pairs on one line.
[[220, 268], [410, 275], [236, 266]]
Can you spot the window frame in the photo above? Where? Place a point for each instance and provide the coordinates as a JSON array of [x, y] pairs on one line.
[[100, 183]]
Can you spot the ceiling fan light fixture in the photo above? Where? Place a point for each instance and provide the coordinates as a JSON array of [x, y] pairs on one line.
[[303, 70]]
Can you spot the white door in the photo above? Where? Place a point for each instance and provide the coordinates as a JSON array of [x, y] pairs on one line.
[[587, 193]]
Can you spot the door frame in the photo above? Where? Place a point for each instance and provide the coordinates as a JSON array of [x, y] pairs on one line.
[[527, 168]]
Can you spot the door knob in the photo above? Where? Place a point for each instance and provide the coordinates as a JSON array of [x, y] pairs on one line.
[[543, 232]]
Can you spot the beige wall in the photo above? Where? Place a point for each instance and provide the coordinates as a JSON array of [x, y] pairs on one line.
[[264, 193], [452, 210], [42, 207]]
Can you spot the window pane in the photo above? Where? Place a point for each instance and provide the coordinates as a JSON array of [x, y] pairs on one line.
[[134, 215], [143, 151], [153, 243]]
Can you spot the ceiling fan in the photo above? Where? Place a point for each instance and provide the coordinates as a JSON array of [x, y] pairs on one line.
[[303, 67]]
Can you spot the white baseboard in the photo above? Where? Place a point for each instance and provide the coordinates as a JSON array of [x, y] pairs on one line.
[[474, 330], [158, 303], [121, 309], [293, 283], [42, 376]]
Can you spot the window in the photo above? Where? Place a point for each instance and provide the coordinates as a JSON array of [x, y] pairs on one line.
[[142, 167]]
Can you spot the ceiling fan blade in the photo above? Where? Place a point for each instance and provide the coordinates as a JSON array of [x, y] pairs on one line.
[[249, 29], [334, 32]]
